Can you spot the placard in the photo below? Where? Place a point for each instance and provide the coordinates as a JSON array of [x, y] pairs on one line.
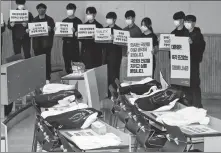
[[140, 58], [163, 83], [198, 129], [165, 41], [103, 35], [2, 20], [86, 31], [18, 15], [180, 61], [38, 29], [64, 29], [121, 37]]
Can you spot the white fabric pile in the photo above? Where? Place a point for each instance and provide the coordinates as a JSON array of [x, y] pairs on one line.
[[146, 80], [96, 141], [185, 116], [56, 87]]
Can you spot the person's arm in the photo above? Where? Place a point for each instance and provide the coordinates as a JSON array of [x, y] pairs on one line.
[[31, 18], [52, 26], [3, 28], [9, 24]]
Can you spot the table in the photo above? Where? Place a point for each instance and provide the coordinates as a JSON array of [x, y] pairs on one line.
[[125, 146]]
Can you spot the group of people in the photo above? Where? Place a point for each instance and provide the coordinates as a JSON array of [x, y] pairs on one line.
[[94, 54]]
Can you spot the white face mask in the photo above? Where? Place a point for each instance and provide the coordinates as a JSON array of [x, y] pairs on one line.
[[188, 25], [144, 28], [70, 12], [128, 21], [109, 21], [89, 17], [176, 23], [21, 7]]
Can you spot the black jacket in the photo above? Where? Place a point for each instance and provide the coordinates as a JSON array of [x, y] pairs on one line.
[[19, 31], [44, 41], [2, 30]]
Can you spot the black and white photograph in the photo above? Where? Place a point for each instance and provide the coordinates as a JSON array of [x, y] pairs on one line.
[[110, 76]]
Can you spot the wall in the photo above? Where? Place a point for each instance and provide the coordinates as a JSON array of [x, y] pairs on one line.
[[161, 14]]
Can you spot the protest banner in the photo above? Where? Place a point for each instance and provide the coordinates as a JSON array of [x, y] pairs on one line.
[[18, 15], [165, 41], [38, 29], [2, 21], [86, 31], [140, 58], [103, 35], [64, 29], [121, 37], [180, 61]]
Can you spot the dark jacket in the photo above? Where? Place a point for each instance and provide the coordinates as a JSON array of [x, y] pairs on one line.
[[19, 31], [2, 30], [44, 41]]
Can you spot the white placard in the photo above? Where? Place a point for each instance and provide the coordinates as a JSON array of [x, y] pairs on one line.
[[140, 58], [165, 41], [180, 61], [103, 35], [64, 29], [38, 29], [164, 84], [86, 31], [2, 20], [198, 129], [18, 15], [121, 37]]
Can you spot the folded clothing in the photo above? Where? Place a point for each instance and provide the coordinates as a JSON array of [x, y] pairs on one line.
[[159, 99], [140, 89], [49, 100], [76, 119], [56, 87], [185, 116]]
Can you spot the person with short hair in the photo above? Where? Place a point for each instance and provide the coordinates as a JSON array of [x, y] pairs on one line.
[[92, 54], [44, 44], [70, 48], [197, 48], [20, 36], [113, 53], [180, 29], [135, 32], [147, 32]]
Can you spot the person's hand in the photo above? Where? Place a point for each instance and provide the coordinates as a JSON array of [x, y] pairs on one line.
[[27, 30], [76, 34], [190, 41], [93, 36], [12, 24], [55, 28], [73, 29], [24, 24], [158, 38], [49, 28]]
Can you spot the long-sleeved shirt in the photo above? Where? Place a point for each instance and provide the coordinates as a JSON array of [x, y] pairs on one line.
[[135, 32], [44, 41], [19, 31]]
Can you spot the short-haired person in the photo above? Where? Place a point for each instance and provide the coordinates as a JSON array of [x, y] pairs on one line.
[[135, 32], [91, 51], [43, 44], [20, 36], [197, 47], [113, 53], [180, 29], [71, 44], [147, 32]]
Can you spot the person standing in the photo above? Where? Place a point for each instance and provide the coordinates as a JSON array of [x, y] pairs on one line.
[[147, 32], [92, 53], [2, 31], [20, 37], [113, 53], [197, 48], [70, 49], [135, 32], [43, 44], [180, 29]]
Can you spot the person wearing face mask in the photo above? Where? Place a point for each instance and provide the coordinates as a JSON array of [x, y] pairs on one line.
[[91, 51], [71, 44], [43, 44], [180, 29], [113, 53], [197, 47], [135, 32], [20, 36], [147, 32]]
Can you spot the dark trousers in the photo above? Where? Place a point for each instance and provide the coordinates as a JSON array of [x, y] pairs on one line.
[[24, 43], [47, 52], [154, 65], [70, 54], [92, 58]]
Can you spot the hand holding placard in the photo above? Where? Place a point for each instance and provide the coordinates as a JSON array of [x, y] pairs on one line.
[[24, 24], [12, 24], [38, 29]]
